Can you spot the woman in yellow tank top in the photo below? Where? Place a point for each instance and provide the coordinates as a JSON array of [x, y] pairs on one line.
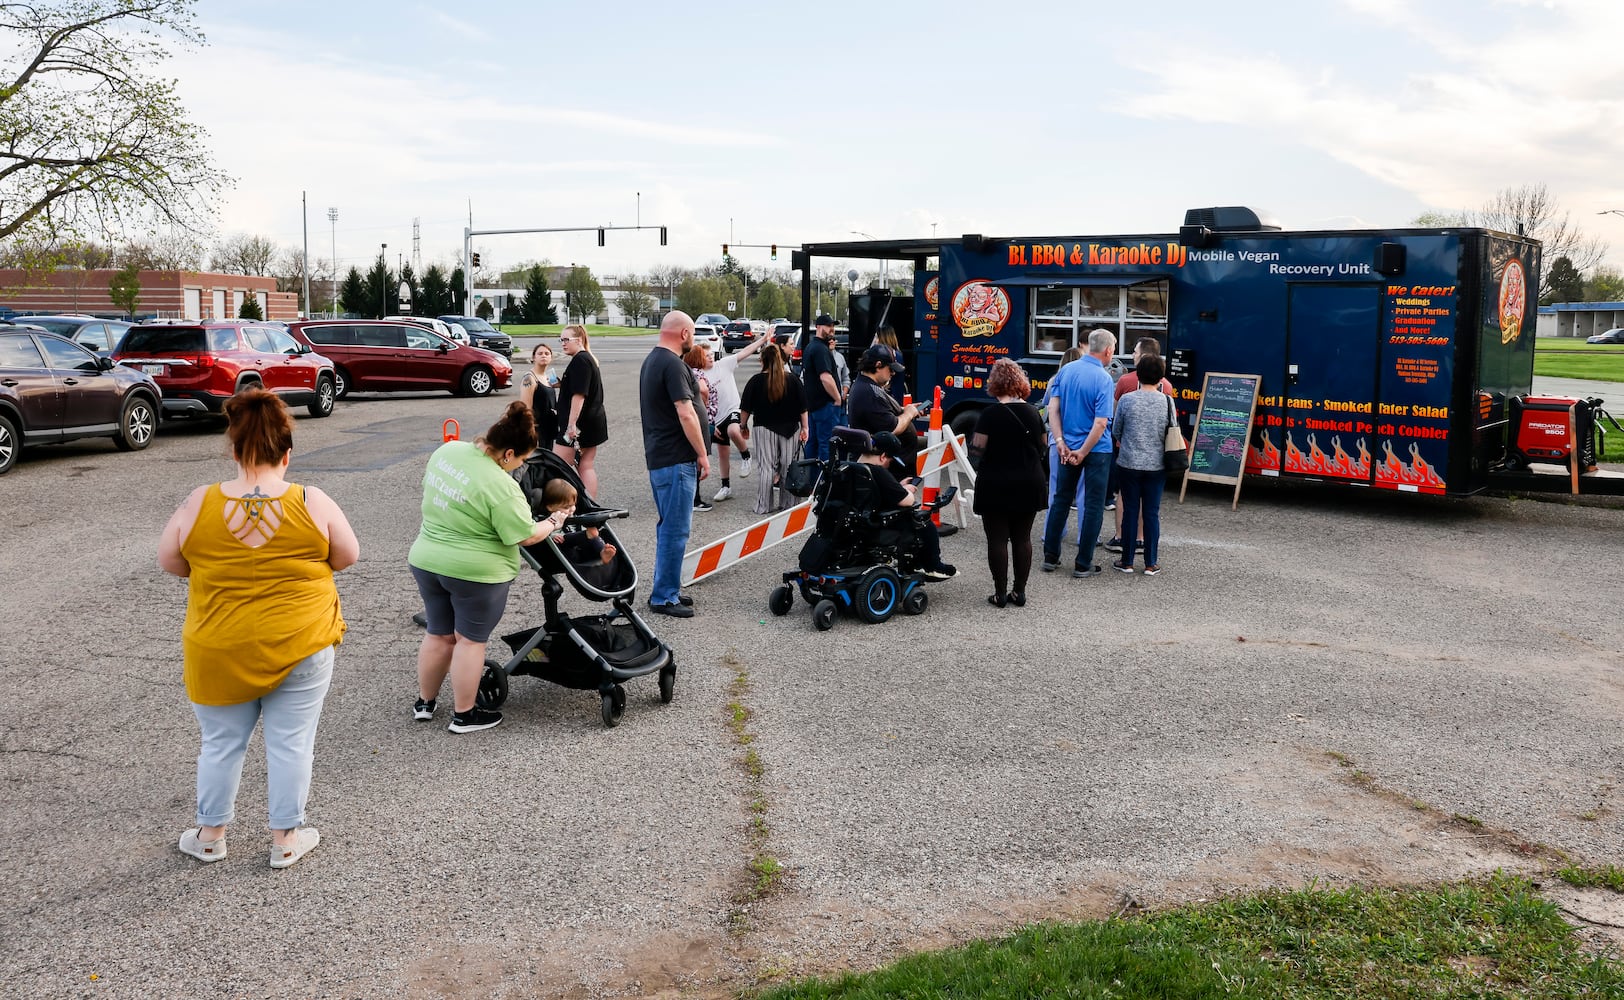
[[262, 618]]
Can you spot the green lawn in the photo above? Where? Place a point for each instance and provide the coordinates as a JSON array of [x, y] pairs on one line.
[[1494, 938], [1597, 366]]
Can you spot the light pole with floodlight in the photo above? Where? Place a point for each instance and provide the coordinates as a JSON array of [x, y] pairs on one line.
[[332, 219], [883, 261]]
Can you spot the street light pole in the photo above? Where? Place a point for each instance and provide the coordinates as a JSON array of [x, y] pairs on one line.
[[383, 292], [332, 219]]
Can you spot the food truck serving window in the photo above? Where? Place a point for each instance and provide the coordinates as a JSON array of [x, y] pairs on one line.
[[1063, 312]]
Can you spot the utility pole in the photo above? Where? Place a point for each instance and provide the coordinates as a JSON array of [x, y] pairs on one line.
[[304, 213], [383, 293], [332, 219]]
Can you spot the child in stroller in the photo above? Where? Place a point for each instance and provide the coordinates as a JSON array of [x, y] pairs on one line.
[[873, 547], [583, 548], [598, 652]]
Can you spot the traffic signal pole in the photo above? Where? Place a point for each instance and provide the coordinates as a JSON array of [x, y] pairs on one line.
[[468, 234]]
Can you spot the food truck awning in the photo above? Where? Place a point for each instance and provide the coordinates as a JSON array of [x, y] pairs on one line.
[[1076, 280]]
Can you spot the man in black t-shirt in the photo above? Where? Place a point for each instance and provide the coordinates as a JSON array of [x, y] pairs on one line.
[[822, 383], [872, 408], [676, 454]]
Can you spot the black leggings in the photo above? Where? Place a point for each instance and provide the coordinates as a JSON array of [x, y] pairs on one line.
[[1006, 533]]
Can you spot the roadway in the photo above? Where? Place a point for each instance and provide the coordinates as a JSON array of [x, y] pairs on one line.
[[1312, 688]]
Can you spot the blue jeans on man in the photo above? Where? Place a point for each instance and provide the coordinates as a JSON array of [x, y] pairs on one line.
[[821, 423], [1094, 473], [673, 488]]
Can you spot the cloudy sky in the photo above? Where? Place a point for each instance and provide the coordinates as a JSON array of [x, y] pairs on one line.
[[785, 123]]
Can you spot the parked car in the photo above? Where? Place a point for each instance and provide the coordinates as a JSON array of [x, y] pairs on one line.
[[842, 344], [712, 319], [99, 335], [201, 364], [482, 334], [450, 331], [1613, 336], [53, 390], [783, 333], [741, 333], [706, 335], [381, 356]]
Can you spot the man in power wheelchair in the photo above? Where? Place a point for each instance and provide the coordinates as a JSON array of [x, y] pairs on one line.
[[873, 546]]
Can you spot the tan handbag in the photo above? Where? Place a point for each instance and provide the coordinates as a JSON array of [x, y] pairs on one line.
[[1175, 456]]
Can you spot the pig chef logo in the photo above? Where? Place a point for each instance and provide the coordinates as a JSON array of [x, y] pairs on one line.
[[933, 291], [980, 309]]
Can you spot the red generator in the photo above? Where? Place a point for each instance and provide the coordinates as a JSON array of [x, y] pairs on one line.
[[1545, 428]]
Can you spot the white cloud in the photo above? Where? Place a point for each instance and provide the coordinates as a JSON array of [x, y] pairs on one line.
[[466, 29]]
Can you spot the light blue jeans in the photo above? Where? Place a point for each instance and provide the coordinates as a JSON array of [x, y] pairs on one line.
[[291, 713], [673, 488]]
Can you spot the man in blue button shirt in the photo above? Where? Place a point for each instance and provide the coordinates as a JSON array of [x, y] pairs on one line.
[[1080, 420]]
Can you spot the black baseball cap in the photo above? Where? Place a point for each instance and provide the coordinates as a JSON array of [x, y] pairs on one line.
[[824, 319], [879, 354]]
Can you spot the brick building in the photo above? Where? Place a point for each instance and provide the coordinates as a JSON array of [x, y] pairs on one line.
[[184, 294]]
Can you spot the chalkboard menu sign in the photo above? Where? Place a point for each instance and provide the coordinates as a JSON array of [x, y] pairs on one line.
[[1223, 426]]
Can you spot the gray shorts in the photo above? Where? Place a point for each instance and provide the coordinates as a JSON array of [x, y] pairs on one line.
[[469, 609]]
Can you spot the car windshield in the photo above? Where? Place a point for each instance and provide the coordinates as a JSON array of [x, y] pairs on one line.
[[474, 324], [163, 339], [66, 327]]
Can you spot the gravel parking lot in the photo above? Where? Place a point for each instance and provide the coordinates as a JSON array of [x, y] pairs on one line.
[[1323, 684]]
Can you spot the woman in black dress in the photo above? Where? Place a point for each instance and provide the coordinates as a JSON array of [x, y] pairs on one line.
[[582, 423], [1009, 448], [537, 390]]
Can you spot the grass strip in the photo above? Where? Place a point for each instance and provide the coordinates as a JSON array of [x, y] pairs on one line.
[[1610, 876], [1496, 937], [1596, 367]]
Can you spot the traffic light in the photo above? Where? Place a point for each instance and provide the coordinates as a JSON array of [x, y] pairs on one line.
[[775, 251], [662, 236], [724, 249], [600, 236], [476, 258]]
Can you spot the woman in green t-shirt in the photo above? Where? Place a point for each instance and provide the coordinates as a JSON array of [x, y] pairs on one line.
[[466, 556]]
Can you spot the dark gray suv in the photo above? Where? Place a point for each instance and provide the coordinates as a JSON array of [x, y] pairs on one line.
[[53, 390]]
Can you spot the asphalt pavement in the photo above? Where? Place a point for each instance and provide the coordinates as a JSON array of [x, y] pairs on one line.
[[1323, 684]]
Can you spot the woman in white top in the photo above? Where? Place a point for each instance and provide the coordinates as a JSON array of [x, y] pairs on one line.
[[724, 408]]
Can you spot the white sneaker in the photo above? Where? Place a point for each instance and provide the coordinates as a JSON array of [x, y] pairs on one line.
[[744, 470], [722, 494]]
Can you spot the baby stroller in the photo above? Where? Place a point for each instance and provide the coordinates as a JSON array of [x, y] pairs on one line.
[[586, 652], [861, 559]]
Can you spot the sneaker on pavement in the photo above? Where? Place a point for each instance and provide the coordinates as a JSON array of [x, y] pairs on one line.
[[943, 572], [1153, 570], [725, 493], [423, 710], [1049, 566], [473, 720], [1110, 505], [1080, 573], [203, 850], [744, 469], [304, 841], [1114, 545], [1121, 567], [702, 506], [676, 610]]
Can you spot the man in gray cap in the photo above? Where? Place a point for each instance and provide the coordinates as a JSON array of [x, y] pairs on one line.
[[822, 381]]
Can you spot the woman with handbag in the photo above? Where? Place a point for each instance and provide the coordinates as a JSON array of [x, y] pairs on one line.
[[1140, 429], [1009, 447]]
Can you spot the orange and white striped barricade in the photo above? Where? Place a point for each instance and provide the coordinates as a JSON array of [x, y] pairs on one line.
[[930, 481], [949, 456], [725, 553]]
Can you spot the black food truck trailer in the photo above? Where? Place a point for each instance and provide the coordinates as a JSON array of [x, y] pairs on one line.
[[1394, 359]]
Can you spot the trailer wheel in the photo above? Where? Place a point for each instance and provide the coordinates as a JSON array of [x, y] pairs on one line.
[[964, 422], [782, 599], [823, 616], [493, 686]]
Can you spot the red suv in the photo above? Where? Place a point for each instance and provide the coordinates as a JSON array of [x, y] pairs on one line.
[[200, 365], [382, 356]]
